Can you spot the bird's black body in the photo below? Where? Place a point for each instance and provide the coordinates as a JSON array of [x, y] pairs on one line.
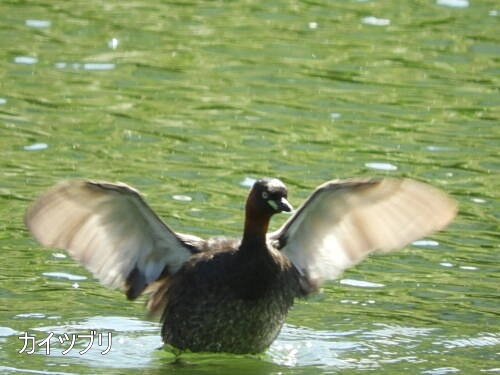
[[239, 299]]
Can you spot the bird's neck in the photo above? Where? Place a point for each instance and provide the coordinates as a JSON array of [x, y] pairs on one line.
[[255, 232]]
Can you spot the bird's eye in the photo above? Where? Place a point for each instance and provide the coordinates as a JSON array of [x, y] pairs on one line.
[[265, 195]]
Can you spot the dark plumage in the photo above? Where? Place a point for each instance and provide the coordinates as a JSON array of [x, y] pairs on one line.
[[228, 295]]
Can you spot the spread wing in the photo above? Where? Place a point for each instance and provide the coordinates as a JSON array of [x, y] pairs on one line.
[[111, 230], [344, 221]]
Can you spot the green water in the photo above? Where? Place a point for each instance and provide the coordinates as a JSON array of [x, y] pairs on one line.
[[186, 100]]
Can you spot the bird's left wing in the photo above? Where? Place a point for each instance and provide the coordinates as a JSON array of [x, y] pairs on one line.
[[110, 229], [345, 220]]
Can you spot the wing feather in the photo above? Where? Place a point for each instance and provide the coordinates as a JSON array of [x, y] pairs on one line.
[[343, 221], [111, 230]]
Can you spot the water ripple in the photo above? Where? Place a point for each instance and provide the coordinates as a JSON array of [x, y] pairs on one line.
[[484, 339]]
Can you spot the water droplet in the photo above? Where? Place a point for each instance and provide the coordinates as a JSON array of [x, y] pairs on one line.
[[59, 255], [446, 264], [478, 200], [36, 146], [27, 60], [37, 23], [381, 166], [3, 101], [312, 25], [468, 268], [64, 275], [182, 198], [113, 43], [425, 243], [98, 66], [31, 315], [375, 21], [361, 283], [453, 3], [436, 148], [85, 66]]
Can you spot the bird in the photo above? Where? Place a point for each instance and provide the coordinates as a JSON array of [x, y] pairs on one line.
[[227, 294]]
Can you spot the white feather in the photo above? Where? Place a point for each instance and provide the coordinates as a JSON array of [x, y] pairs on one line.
[[109, 229], [342, 222]]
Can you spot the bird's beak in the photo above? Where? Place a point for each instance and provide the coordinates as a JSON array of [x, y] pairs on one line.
[[284, 205]]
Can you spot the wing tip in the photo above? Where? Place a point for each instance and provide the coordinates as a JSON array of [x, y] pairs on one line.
[[446, 207]]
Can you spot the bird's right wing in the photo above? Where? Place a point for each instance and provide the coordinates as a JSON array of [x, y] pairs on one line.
[[109, 229], [343, 221]]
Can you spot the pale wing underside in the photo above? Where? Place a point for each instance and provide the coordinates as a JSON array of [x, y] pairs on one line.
[[109, 229], [343, 221]]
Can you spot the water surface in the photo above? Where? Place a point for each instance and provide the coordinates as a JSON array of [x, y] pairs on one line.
[[190, 101]]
